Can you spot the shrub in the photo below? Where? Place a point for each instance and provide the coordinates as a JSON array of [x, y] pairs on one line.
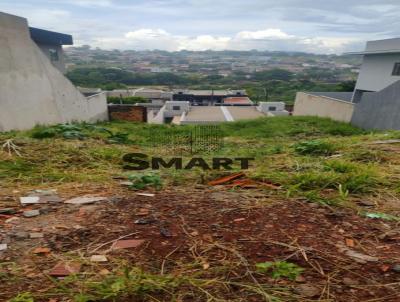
[[339, 166], [142, 181], [314, 147], [279, 269]]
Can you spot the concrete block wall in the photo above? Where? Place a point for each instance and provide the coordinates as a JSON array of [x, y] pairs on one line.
[[379, 110], [32, 90], [311, 105]]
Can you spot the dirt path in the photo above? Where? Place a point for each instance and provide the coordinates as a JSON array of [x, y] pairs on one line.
[[212, 234]]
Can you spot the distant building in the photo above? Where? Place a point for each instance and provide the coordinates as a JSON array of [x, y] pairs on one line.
[[375, 101], [181, 112], [380, 67], [237, 101], [206, 97]]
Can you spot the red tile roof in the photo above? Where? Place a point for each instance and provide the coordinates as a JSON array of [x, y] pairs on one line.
[[238, 100]]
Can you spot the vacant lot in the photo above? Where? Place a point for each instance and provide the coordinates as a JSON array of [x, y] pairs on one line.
[[315, 218]]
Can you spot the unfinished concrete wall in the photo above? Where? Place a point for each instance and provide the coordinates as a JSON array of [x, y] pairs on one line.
[[307, 104], [379, 110], [60, 62], [32, 90]]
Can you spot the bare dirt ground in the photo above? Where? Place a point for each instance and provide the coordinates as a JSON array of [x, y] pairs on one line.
[[210, 233]]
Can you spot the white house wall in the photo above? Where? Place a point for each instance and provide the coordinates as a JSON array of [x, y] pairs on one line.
[[376, 72]]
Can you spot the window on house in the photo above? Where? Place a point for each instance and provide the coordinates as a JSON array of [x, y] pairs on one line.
[[53, 54], [271, 108], [396, 69], [176, 107]]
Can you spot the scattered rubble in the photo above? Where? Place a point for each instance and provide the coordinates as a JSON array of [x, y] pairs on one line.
[[216, 232]]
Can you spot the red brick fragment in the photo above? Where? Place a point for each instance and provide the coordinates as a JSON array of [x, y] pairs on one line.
[[126, 244], [65, 269], [226, 179]]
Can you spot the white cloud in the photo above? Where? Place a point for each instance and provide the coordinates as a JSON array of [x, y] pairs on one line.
[[270, 33], [266, 39], [146, 34], [204, 42]]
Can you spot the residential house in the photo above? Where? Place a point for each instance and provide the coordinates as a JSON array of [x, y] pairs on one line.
[[375, 101], [206, 97]]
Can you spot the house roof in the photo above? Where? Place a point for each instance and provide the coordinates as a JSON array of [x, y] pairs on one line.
[[211, 92], [41, 36], [374, 52], [386, 46], [221, 113], [237, 100]]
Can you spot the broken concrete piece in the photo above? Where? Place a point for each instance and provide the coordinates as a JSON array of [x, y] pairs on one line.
[[36, 235], [85, 200], [12, 220], [29, 200], [146, 194], [98, 258], [126, 244], [31, 213], [65, 269], [3, 246], [50, 199]]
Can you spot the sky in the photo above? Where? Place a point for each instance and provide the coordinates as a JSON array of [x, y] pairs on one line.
[[316, 26]]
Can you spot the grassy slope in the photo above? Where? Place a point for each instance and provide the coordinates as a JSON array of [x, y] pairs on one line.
[[340, 169], [355, 168]]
